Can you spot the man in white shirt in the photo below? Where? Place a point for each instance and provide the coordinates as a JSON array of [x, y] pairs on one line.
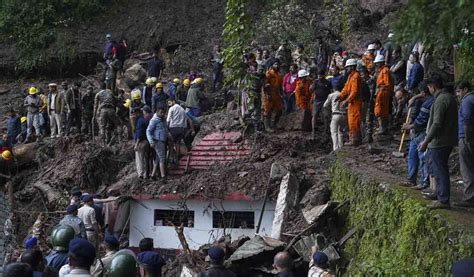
[[87, 214], [338, 121], [177, 122]]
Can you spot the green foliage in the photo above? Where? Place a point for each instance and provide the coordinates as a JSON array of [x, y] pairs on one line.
[[237, 35], [345, 24], [400, 236], [441, 24], [275, 26], [32, 25]]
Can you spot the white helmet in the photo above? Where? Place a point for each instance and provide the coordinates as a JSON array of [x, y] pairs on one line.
[[390, 35], [351, 62], [379, 59], [371, 47], [303, 73]]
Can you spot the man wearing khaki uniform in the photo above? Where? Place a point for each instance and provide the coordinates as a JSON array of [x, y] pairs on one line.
[[87, 214], [55, 109]]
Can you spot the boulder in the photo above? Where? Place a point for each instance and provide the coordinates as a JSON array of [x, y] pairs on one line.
[[122, 84], [135, 75]]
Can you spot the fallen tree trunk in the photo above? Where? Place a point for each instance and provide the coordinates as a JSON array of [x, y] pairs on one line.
[[184, 243], [52, 196], [25, 153]]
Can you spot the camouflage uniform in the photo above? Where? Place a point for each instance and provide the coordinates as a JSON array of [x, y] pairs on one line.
[[38, 231], [87, 102], [104, 108]]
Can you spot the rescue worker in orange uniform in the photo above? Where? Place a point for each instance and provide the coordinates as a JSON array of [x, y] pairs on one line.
[[350, 94], [303, 98], [383, 94], [368, 59], [272, 97]]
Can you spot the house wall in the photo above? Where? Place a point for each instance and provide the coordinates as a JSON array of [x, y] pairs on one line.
[[142, 222]]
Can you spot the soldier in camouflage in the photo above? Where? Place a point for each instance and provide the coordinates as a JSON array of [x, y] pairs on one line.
[[104, 111], [87, 103]]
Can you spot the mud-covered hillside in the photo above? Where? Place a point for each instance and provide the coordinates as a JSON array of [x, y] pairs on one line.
[[187, 29]]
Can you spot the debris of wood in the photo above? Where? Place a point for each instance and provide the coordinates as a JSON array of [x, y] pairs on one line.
[[52, 195], [25, 153], [184, 243], [305, 245]]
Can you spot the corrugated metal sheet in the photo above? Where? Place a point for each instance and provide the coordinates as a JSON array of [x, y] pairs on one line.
[[215, 148]]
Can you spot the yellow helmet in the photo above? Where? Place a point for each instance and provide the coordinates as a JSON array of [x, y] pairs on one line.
[[159, 85], [186, 82], [136, 94], [127, 103], [7, 155], [23, 119], [33, 90], [198, 81], [149, 81], [176, 81], [154, 80]]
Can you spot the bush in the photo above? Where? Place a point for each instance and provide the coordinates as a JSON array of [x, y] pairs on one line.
[[32, 25]]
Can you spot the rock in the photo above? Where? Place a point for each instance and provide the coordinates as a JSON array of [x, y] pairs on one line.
[[317, 195], [122, 84], [310, 171], [187, 272], [243, 174], [135, 75], [287, 199], [313, 213], [292, 121], [277, 171]]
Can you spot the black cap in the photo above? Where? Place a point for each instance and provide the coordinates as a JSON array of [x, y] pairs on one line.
[[146, 109]]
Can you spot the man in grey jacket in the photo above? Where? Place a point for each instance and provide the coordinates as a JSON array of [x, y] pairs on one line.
[[33, 103], [441, 137], [157, 135]]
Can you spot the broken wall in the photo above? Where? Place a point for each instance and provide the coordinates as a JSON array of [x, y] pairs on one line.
[[400, 236], [203, 230]]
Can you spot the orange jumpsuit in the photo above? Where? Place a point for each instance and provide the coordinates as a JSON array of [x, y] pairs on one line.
[[351, 92], [272, 101], [368, 61], [384, 91], [303, 95]]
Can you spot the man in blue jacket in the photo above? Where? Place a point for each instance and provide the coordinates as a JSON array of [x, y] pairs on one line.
[[416, 159], [466, 142], [417, 72], [157, 135], [13, 127], [141, 145]]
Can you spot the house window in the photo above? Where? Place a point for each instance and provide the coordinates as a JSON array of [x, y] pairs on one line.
[[174, 218], [238, 220]]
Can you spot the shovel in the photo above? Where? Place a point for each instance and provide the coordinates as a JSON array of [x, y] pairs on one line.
[[401, 154]]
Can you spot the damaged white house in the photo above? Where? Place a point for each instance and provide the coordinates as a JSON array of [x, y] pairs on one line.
[[204, 220]]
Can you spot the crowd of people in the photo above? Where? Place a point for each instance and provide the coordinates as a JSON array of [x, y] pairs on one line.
[[343, 95], [81, 244], [375, 95], [159, 121]]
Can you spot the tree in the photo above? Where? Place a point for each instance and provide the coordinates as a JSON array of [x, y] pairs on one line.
[[32, 25], [236, 34], [440, 24]]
